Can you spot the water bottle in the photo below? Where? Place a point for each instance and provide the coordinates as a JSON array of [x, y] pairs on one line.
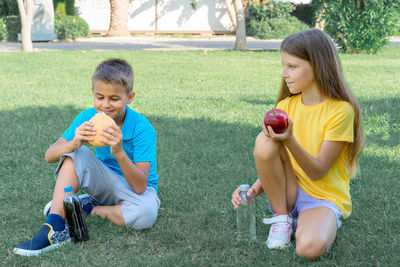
[[246, 216], [75, 216]]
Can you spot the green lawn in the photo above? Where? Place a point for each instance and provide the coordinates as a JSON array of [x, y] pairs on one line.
[[206, 107]]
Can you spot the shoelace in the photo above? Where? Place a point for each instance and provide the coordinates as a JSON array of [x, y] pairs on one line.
[[279, 218]]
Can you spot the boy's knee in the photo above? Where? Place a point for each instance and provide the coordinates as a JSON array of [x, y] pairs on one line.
[[265, 148], [310, 248], [83, 151], [143, 218]]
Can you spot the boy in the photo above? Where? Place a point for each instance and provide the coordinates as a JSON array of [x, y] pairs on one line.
[[121, 180]]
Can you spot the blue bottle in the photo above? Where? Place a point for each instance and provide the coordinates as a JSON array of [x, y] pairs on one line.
[[246, 216], [75, 216]]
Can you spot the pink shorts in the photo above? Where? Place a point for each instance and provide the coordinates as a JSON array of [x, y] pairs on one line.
[[304, 202]]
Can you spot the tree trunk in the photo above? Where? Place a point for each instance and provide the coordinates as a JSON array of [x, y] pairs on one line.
[[240, 43], [26, 13], [118, 18]]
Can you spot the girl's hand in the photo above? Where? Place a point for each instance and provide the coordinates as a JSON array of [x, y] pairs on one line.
[[236, 197], [83, 133], [269, 132], [113, 137]]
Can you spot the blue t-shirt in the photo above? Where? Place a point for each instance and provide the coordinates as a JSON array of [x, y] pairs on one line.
[[139, 142]]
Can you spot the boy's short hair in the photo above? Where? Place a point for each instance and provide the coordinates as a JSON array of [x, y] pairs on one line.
[[115, 71]]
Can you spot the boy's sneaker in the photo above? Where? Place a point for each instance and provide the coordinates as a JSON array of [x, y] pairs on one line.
[[45, 239], [280, 232], [87, 202]]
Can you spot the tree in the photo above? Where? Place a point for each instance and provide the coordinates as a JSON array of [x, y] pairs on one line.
[[26, 12], [321, 6], [236, 14], [118, 18], [360, 26]]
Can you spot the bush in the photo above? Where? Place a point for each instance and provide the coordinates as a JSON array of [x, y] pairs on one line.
[[263, 9], [64, 7], [8, 8], [275, 28], [64, 26], [397, 30], [3, 29], [360, 26], [10, 26], [305, 13], [70, 27], [271, 20]]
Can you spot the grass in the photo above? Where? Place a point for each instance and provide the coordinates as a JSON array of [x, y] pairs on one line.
[[206, 107]]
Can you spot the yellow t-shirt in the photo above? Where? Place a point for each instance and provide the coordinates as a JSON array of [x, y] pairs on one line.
[[330, 120]]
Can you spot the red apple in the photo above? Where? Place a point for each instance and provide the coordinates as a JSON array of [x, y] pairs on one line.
[[277, 119]]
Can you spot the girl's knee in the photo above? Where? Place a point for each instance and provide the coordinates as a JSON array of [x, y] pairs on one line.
[[265, 148], [310, 247]]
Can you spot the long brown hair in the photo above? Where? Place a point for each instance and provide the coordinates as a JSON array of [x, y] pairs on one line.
[[318, 49]]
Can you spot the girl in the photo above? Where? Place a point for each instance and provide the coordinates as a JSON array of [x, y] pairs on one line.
[[305, 171]]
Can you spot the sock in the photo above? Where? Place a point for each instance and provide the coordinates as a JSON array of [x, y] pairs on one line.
[[56, 221], [88, 209], [39, 241]]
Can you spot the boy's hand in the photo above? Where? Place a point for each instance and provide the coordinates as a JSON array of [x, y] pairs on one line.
[[112, 137], [83, 133], [269, 132], [236, 197]]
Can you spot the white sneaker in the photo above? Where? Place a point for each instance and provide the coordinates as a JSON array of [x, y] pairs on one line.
[[280, 232]]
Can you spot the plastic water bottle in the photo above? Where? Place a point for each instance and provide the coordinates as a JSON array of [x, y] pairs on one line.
[[246, 216], [75, 216]]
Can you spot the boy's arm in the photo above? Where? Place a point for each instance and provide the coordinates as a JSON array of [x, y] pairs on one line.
[[56, 150], [83, 134], [136, 174]]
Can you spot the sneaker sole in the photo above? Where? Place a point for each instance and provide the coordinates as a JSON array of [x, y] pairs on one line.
[[46, 209], [25, 252], [280, 246]]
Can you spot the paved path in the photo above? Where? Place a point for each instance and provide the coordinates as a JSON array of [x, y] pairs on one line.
[[152, 43]]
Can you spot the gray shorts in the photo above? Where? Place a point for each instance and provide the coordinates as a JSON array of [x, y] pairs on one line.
[[110, 188]]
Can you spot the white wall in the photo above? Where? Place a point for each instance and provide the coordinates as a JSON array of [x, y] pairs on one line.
[[172, 15], [142, 15], [209, 15]]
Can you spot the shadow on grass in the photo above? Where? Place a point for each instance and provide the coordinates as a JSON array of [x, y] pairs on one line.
[[200, 163]]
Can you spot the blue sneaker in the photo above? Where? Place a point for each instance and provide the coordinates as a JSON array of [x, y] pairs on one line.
[[45, 239], [87, 202]]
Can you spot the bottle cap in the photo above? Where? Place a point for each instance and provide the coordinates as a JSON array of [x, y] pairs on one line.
[[244, 187], [68, 189]]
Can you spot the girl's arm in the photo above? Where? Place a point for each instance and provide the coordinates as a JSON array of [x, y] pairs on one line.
[[315, 168], [256, 189]]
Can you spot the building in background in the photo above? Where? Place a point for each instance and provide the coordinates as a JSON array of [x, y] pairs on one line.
[[161, 16]]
